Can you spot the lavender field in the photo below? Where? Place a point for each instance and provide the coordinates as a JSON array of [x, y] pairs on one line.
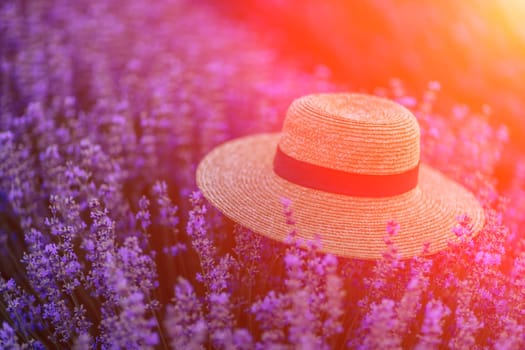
[[106, 108]]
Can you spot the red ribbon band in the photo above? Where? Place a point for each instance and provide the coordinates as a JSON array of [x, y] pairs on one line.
[[342, 182]]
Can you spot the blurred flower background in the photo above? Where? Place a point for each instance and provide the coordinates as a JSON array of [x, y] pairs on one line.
[[106, 108], [474, 48]]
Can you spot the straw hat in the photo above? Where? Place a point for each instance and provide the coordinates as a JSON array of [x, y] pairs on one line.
[[348, 163]]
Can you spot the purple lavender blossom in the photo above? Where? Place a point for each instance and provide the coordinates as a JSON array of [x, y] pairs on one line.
[[380, 325], [8, 338], [185, 324], [432, 328], [467, 323], [89, 127], [511, 336], [130, 327]]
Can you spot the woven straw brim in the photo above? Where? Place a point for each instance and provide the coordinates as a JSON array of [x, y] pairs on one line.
[[238, 179]]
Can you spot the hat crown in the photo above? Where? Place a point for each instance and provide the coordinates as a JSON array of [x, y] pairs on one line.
[[354, 133]]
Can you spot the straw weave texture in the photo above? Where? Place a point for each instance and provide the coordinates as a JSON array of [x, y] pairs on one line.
[[237, 178], [352, 132]]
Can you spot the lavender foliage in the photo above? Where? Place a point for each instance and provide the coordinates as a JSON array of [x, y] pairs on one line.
[[106, 109]]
